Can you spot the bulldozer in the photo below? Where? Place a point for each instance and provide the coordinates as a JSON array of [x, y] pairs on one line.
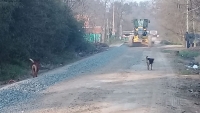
[[140, 34]]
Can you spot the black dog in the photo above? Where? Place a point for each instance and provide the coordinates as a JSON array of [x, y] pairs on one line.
[[149, 61]]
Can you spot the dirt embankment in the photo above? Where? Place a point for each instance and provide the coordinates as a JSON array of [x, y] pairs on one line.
[[186, 65]]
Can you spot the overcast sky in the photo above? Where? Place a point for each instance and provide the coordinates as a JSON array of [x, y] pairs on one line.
[[136, 0]]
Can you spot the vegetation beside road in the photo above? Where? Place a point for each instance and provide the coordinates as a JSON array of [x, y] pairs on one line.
[[185, 60], [186, 66], [45, 30]]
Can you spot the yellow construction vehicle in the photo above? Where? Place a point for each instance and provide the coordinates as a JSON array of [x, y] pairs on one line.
[[140, 36]]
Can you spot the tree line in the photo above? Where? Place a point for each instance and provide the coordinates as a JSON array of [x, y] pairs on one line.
[[38, 29], [171, 15], [100, 12]]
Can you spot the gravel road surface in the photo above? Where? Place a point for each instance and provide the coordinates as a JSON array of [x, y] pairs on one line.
[[114, 81]]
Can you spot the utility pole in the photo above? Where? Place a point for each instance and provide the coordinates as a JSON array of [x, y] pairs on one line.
[[193, 16], [187, 16], [104, 20], [113, 24], [121, 19], [107, 29], [187, 23], [193, 23]]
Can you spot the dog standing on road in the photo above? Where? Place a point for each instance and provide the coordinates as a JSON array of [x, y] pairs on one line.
[[34, 67], [149, 61]]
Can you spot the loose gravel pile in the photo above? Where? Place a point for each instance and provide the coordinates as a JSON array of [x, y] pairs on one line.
[[28, 89]]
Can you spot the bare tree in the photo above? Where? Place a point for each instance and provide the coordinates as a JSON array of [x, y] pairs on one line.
[[172, 18]]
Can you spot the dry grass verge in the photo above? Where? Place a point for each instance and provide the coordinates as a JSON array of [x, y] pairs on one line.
[[188, 80]]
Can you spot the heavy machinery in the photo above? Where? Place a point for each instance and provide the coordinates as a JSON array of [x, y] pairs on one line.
[[140, 36]]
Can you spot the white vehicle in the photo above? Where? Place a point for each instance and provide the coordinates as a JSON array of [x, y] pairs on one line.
[[154, 33], [154, 36]]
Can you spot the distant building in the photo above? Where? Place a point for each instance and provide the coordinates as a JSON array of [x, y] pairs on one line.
[[89, 28], [84, 18]]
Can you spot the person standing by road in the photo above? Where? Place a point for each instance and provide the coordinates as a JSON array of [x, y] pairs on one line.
[[187, 40]]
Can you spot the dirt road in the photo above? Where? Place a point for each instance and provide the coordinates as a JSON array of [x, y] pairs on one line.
[[123, 85]]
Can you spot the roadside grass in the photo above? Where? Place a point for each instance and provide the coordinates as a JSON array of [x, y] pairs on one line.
[[180, 68], [166, 51], [183, 59], [21, 70], [166, 42], [188, 54], [188, 77], [115, 41], [10, 71], [65, 58]]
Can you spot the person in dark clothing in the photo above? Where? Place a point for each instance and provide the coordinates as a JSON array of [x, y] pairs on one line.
[[186, 35], [191, 39], [145, 33], [187, 39]]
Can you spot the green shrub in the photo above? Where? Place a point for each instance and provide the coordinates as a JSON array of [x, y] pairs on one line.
[[9, 71], [188, 54], [44, 29], [165, 42]]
